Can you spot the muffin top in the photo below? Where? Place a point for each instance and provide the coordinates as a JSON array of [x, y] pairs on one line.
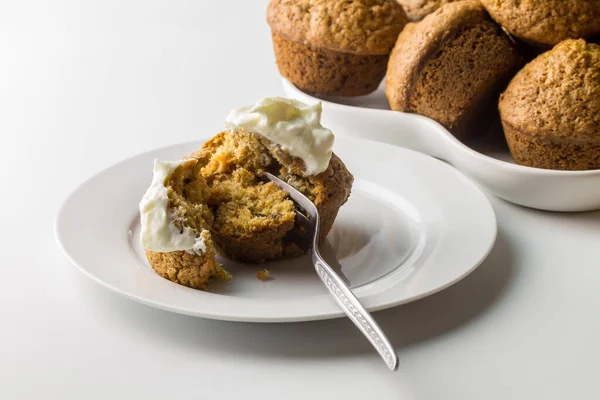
[[557, 95], [418, 40], [417, 9], [358, 27], [547, 22]]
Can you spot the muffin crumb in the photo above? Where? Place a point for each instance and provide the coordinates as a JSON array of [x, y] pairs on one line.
[[264, 275]]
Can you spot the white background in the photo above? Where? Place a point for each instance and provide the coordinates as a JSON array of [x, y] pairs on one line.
[[84, 84]]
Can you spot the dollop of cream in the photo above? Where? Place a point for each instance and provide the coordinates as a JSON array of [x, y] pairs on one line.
[[158, 231], [294, 126]]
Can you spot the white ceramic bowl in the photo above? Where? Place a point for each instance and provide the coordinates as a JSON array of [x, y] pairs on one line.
[[492, 167]]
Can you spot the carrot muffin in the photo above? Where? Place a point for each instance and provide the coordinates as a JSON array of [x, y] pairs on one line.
[[334, 47], [551, 109], [416, 10], [217, 198], [547, 22], [450, 66]]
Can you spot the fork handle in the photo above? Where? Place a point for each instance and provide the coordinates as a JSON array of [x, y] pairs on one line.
[[356, 312]]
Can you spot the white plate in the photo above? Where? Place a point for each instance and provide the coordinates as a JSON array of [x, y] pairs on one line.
[[412, 226]]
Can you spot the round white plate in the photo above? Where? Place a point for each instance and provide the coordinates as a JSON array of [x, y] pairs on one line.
[[412, 226]]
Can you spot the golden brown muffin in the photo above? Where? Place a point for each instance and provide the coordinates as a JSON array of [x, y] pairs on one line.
[[451, 66], [416, 10], [334, 47], [252, 216], [547, 22], [551, 109], [188, 193], [222, 195]]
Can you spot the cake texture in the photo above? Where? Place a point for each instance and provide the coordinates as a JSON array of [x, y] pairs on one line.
[[547, 22], [334, 47], [416, 10], [451, 67], [252, 216], [551, 109]]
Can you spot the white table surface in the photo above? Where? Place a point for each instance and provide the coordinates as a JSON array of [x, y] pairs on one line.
[[84, 84]]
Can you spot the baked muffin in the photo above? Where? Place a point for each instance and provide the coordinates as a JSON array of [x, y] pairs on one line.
[[551, 109], [252, 216], [450, 66], [547, 22], [416, 10], [218, 200], [334, 47]]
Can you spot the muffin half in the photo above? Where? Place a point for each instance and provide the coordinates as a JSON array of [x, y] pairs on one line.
[[451, 66], [334, 47], [551, 109], [252, 216]]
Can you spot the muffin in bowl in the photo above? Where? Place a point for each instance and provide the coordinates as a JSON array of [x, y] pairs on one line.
[[550, 111], [545, 23], [450, 66], [217, 200], [332, 47]]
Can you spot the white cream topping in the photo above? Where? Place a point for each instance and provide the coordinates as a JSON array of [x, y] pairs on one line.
[[158, 231], [293, 125]]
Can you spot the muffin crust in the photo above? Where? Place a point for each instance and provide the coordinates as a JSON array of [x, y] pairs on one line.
[[547, 22], [416, 10], [356, 27]]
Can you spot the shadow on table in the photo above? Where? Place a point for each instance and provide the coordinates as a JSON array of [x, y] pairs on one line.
[[405, 325]]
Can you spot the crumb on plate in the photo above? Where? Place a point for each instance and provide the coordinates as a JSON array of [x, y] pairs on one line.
[[263, 275]]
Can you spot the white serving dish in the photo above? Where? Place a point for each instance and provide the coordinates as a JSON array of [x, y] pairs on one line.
[[486, 160]]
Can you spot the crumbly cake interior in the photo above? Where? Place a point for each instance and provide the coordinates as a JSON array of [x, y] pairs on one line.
[[224, 191], [188, 193]]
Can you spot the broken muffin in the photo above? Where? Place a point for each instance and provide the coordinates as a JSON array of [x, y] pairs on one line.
[[219, 196]]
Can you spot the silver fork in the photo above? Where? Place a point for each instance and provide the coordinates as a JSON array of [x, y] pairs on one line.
[[308, 240]]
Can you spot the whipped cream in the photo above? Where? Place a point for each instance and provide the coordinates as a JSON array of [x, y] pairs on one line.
[[158, 231], [293, 125]]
